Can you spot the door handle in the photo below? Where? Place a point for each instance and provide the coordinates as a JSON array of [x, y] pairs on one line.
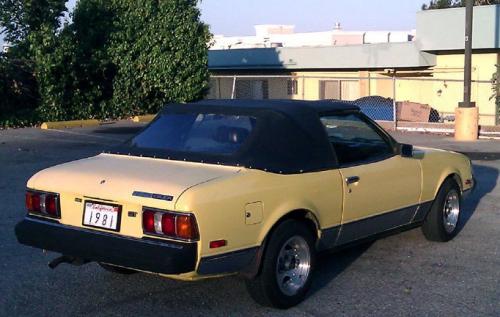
[[351, 180]]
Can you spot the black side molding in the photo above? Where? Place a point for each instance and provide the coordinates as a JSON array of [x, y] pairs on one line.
[[231, 262], [372, 227]]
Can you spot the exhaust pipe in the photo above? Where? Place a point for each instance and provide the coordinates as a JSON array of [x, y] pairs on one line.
[[66, 259]]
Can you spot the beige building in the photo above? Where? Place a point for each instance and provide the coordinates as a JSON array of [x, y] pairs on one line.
[[270, 35], [428, 70]]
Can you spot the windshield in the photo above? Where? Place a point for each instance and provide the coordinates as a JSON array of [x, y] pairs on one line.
[[217, 134]]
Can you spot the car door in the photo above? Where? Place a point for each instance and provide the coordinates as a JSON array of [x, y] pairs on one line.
[[381, 189]]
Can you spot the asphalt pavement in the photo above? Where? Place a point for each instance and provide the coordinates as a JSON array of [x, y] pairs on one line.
[[402, 275]]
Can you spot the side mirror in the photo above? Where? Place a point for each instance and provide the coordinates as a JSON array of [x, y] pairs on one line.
[[406, 150]]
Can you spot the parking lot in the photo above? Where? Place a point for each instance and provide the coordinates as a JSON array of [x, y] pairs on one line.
[[403, 275]]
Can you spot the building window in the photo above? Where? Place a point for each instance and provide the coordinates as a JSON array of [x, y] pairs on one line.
[[252, 89], [292, 87], [339, 89], [329, 89]]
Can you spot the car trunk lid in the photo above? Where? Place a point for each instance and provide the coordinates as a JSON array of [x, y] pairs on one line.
[[122, 178]]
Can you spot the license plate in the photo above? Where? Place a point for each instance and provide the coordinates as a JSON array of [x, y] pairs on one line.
[[101, 216]]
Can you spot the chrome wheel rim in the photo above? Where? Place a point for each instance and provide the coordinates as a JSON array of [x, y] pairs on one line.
[[293, 265], [451, 211]]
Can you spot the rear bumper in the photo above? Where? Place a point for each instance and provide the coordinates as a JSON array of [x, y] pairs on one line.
[[150, 255]]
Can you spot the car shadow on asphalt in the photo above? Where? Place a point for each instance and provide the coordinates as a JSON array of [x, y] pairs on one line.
[[331, 264], [486, 178]]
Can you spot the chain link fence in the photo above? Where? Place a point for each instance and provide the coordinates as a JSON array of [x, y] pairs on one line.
[[412, 103]]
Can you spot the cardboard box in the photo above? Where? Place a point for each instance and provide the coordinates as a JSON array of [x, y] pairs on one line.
[[412, 111]]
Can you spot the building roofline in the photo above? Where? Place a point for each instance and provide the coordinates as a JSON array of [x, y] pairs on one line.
[[366, 56]]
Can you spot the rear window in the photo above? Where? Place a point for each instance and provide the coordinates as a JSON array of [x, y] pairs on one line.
[[209, 133]]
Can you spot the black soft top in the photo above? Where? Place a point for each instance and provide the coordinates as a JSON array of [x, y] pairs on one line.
[[288, 137]]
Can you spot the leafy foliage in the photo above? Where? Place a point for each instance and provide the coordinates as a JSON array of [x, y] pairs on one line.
[[74, 69], [114, 59], [160, 49], [93, 70], [48, 56], [23, 21], [19, 18], [495, 89], [443, 4], [18, 96]]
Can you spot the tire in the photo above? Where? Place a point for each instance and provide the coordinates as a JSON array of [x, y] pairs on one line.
[[117, 269], [283, 282], [443, 220]]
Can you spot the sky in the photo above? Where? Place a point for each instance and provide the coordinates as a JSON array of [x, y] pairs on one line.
[[237, 17]]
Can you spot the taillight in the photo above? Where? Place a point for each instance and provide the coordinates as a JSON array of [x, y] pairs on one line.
[[186, 227], [36, 202], [169, 224], [148, 221], [42, 203], [51, 205], [29, 201]]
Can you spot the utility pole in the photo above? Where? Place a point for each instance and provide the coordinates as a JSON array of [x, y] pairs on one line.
[[466, 115], [469, 9]]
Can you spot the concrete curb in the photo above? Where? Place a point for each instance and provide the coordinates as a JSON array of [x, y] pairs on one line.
[[69, 124], [437, 128], [145, 118]]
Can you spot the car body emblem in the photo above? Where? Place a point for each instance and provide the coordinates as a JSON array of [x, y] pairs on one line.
[[103, 181], [152, 195]]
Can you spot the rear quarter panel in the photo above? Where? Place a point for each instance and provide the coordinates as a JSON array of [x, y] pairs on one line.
[[219, 205]]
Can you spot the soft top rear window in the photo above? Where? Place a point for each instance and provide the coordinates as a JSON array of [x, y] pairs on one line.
[[209, 133]]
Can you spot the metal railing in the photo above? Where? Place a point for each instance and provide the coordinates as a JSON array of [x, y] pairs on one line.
[[400, 102]]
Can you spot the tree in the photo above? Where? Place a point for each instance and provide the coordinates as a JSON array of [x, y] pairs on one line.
[[439, 4], [93, 70], [24, 22], [48, 57], [18, 93], [18, 18], [161, 54], [114, 59], [443, 4], [74, 70]]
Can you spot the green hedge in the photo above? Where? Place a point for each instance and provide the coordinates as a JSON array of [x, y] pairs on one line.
[[117, 58]]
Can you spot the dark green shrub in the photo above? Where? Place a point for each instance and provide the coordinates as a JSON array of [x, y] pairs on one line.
[[161, 54], [115, 58]]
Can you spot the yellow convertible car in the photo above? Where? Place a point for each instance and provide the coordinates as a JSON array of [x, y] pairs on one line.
[[258, 188]]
